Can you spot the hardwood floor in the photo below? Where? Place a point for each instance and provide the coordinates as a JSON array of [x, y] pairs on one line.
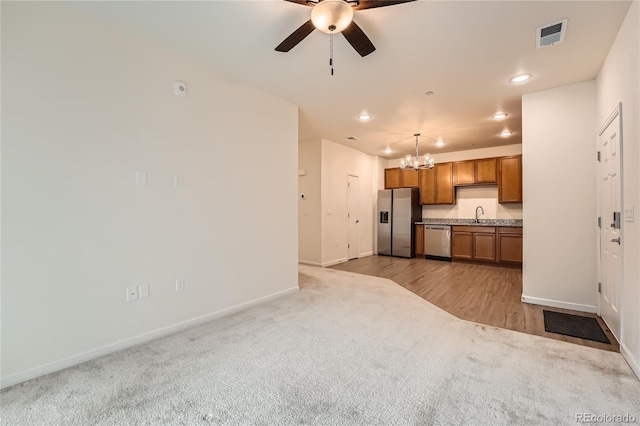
[[485, 294]]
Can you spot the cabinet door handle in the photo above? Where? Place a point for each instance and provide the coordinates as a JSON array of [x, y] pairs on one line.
[[357, 220], [616, 240]]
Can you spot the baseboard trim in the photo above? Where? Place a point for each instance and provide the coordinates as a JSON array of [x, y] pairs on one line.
[[633, 363], [306, 262], [52, 367], [559, 304], [334, 262], [369, 253]]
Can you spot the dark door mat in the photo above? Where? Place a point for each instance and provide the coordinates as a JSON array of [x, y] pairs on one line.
[[575, 326]]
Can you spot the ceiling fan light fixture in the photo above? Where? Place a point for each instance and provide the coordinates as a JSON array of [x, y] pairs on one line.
[[331, 16]]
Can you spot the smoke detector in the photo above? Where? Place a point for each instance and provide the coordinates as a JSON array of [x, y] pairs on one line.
[[550, 34]]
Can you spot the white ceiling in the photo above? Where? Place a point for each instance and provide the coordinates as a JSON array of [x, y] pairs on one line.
[[464, 51]]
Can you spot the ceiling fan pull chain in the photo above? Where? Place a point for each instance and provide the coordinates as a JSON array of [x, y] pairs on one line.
[[331, 51]]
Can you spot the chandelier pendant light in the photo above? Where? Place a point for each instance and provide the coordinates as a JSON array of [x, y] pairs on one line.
[[414, 163]]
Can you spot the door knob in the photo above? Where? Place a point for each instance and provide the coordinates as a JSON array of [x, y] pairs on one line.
[[616, 240], [357, 220]]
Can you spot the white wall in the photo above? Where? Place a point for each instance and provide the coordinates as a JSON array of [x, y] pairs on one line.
[[468, 198], [618, 81], [85, 106], [337, 162], [559, 185], [309, 223]]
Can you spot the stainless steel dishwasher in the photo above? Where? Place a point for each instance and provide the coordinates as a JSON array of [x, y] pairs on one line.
[[437, 242]]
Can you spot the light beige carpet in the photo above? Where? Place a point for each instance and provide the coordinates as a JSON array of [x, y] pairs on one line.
[[347, 349]]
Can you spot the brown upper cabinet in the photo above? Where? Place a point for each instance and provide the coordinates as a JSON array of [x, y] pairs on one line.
[[392, 178], [464, 172], [473, 172], [487, 170], [398, 178], [436, 185], [409, 178], [510, 179]]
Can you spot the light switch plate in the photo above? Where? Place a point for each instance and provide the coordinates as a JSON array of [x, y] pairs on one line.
[[177, 181], [629, 213], [141, 178], [180, 284], [143, 291]]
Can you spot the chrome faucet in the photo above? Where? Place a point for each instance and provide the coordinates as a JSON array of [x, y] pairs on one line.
[[482, 210]]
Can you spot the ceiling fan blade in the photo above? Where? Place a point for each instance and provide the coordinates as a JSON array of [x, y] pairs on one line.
[[302, 2], [358, 39], [370, 4], [296, 37]]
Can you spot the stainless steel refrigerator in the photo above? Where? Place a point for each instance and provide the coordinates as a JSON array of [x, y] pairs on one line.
[[398, 210]]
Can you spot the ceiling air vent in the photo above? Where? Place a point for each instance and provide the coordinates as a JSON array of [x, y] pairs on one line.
[[550, 34]]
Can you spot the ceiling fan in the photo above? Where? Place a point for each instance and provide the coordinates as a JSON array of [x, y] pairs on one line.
[[335, 16]]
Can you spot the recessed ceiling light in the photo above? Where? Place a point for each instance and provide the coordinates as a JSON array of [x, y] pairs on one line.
[[364, 116], [520, 78], [388, 151], [499, 116], [352, 138], [505, 134], [440, 142], [429, 93]]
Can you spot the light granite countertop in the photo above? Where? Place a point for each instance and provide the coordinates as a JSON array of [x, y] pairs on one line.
[[515, 223]]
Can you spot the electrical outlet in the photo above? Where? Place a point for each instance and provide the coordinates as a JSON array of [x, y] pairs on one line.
[[179, 88], [143, 291], [132, 293], [178, 182], [180, 284]]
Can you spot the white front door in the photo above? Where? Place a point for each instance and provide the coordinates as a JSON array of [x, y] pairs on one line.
[[352, 217], [610, 193]]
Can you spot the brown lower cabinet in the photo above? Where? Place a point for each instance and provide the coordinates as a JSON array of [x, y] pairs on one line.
[[510, 245], [487, 244], [461, 244], [473, 243], [419, 240]]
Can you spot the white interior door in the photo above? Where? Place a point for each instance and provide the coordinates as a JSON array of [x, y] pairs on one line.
[[610, 191], [352, 217]]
